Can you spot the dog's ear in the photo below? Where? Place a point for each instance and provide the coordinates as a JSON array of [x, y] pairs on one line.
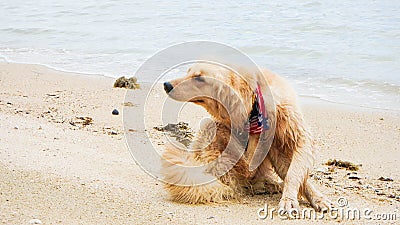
[[238, 97]]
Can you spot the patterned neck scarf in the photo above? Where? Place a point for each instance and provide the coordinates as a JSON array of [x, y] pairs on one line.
[[258, 119]]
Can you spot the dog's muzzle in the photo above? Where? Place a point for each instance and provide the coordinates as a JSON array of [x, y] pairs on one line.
[[168, 87]]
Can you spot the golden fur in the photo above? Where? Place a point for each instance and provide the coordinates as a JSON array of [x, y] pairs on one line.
[[288, 161]]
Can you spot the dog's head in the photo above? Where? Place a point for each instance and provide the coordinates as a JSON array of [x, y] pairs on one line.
[[226, 95]]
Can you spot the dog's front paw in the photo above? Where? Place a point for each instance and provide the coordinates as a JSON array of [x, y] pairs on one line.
[[287, 205], [321, 204]]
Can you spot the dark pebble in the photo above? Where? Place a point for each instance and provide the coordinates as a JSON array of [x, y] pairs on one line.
[[354, 177], [385, 179], [115, 112]]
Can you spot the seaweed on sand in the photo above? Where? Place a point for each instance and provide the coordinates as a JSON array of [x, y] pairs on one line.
[[180, 131]]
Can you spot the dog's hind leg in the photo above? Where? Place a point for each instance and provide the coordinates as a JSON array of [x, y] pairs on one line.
[[266, 179]]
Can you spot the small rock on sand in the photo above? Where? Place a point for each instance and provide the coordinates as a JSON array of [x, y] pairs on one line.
[[35, 221], [354, 177], [385, 179], [129, 83], [112, 132], [115, 112]]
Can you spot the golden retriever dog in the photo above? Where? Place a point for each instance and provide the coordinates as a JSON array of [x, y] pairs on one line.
[[230, 98]]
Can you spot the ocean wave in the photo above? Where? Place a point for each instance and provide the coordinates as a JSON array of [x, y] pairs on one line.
[[365, 93], [365, 84], [28, 31]]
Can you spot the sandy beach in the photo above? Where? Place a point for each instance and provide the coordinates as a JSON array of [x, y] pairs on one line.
[[58, 170]]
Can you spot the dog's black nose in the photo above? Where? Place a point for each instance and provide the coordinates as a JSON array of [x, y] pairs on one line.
[[168, 87]]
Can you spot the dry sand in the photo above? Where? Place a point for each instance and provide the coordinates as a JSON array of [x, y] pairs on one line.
[[58, 171]]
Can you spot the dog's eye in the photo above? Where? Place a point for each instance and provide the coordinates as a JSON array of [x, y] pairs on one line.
[[199, 78]]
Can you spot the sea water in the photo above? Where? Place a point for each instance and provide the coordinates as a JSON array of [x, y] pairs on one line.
[[341, 51]]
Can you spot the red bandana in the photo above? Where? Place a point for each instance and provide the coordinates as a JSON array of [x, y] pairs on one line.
[[258, 119]]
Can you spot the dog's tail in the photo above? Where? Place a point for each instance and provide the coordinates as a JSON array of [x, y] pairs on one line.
[[187, 183]]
